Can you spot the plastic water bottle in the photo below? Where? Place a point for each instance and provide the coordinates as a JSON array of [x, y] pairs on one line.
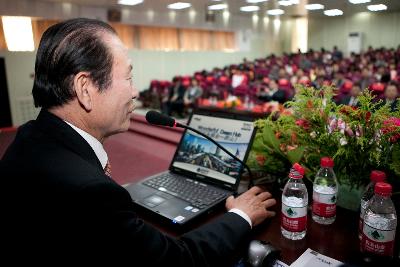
[[380, 221], [325, 193], [294, 205], [376, 176]]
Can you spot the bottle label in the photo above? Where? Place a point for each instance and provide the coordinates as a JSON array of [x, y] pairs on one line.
[[377, 241], [324, 205], [294, 219]]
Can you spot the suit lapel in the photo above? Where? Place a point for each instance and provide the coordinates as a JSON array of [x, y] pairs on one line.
[[68, 137]]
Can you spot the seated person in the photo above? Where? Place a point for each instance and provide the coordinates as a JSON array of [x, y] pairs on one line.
[[192, 94], [239, 78], [175, 100], [272, 93], [391, 96], [351, 98]]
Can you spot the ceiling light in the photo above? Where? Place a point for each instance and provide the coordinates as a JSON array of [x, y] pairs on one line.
[[379, 7], [217, 7], [275, 12], [249, 8], [179, 5], [130, 2], [18, 33], [285, 3], [255, 1], [333, 12], [359, 1], [314, 6]]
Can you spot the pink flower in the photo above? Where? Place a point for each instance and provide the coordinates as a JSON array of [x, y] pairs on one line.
[[303, 123], [391, 127]]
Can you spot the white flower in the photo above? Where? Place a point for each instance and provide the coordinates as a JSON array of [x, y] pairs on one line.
[[343, 141], [313, 134]]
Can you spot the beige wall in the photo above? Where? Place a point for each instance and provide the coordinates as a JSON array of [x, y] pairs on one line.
[[378, 29]]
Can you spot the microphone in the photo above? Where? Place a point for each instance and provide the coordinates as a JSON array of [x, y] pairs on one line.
[[156, 118]]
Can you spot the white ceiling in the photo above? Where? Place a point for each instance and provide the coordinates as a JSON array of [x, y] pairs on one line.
[[234, 5]]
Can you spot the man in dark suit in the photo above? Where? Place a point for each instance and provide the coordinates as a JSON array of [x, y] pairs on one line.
[[60, 203], [352, 98], [391, 96]]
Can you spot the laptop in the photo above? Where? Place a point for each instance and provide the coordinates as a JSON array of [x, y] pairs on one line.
[[200, 176]]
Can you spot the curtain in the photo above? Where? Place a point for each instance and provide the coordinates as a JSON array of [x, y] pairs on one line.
[[126, 33], [3, 45], [195, 40], [224, 41], [158, 38]]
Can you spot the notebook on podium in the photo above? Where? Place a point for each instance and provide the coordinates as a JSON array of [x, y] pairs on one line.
[[201, 175]]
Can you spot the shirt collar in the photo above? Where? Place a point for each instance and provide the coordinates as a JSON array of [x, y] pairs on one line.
[[94, 144]]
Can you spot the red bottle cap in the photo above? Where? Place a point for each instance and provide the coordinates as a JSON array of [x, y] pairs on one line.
[[296, 172], [378, 176], [383, 189], [327, 162]]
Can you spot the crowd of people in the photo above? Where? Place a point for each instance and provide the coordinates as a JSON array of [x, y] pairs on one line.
[[275, 78]]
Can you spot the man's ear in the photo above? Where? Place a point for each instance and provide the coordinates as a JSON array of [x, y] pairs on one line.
[[82, 84]]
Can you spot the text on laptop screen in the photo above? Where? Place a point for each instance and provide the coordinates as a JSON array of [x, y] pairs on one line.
[[199, 155]]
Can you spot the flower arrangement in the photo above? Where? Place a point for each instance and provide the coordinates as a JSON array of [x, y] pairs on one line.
[[358, 139]]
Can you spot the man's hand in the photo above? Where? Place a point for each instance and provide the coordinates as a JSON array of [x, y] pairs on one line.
[[255, 203]]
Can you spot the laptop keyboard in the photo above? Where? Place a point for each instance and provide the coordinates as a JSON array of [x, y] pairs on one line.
[[198, 194]]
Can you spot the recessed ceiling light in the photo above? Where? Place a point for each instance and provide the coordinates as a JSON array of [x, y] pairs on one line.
[[379, 7], [255, 1], [249, 8], [285, 3], [130, 2], [18, 33], [333, 12], [275, 12], [314, 6], [359, 1], [179, 5], [217, 7]]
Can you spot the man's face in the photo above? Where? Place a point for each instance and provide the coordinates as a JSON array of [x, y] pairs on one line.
[[113, 107], [391, 92]]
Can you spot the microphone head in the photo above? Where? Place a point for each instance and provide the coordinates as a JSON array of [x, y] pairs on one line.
[[156, 118]]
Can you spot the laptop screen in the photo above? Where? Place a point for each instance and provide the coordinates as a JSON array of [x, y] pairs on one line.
[[198, 155]]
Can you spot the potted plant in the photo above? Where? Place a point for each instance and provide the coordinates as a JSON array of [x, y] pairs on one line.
[[313, 126]]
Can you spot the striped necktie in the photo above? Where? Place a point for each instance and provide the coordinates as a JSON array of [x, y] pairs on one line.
[[107, 169]]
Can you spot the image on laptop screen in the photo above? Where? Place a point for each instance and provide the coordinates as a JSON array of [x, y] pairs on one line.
[[199, 155]]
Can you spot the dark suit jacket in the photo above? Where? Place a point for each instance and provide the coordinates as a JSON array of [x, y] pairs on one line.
[[60, 206]]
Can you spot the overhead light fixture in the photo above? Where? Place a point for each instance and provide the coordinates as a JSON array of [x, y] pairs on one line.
[[217, 7], [130, 2], [379, 7], [18, 33], [314, 6], [275, 12], [285, 3], [255, 1], [249, 8], [179, 5], [356, 2], [333, 12]]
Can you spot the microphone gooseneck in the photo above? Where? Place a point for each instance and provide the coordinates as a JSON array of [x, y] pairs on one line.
[[156, 118]]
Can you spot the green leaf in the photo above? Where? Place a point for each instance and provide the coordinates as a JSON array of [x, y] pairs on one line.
[[296, 154], [271, 140]]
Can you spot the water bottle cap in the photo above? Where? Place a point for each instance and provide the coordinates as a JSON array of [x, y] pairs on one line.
[[383, 189], [378, 176], [296, 172], [327, 162]]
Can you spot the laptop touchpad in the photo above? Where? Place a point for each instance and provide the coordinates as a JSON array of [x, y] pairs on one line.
[[153, 201]]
